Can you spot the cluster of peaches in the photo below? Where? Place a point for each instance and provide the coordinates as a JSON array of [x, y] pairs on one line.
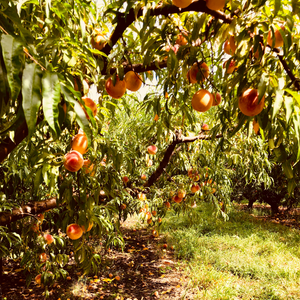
[[211, 4], [74, 160], [132, 80]]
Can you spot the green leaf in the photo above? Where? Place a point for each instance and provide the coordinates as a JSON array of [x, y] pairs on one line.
[[80, 115], [288, 102], [261, 88], [239, 126], [11, 13], [287, 169], [51, 99], [296, 95], [291, 186], [277, 7], [31, 95], [14, 58], [277, 103], [37, 180], [4, 87]]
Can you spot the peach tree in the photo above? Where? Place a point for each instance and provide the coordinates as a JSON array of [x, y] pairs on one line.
[[70, 156]]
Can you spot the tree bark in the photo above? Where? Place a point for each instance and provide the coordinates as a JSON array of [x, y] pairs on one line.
[[23, 211]]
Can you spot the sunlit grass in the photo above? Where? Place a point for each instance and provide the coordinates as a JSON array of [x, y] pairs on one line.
[[242, 258]]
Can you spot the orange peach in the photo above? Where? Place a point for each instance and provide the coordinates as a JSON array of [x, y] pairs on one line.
[[215, 4], [73, 161], [198, 70], [152, 149], [90, 104], [217, 99], [116, 90], [80, 143], [202, 100], [133, 81], [181, 3], [248, 103], [48, 238], [74, 231], [278, 38]]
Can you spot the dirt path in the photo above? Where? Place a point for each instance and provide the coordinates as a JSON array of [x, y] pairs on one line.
[[146, 269]]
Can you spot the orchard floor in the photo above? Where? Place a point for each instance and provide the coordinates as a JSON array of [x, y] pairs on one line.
[[146, 269]]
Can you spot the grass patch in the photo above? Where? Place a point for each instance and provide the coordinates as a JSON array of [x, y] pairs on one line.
[[242, 258]]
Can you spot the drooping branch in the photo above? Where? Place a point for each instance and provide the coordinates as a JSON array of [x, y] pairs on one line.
[[125, 20], [41, 206]]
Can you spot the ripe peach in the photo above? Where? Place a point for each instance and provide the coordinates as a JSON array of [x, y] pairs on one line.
[[74, 231], [91, 224], [201, 69], [159, 220], [43, 257], [125, 179], [278, 38], [116, 90], [217, 99], [154, 213], [152, 149], [202, 100], [248, 103], [167, 204], [231, 68], [181, 3], [88, 167], [215, 4], [98, 40], [154, 233], [149, 163], [143, 177], [205, 127], [156, 117], [48, 238], [181, 193], [177, 199], [90, 104], [227, 48], [41, 217], [133, 81], [195, 188], [80, 143], [142, 196], [38, 279], [123, 206], [73, 161], [193, 174], [181, 40]]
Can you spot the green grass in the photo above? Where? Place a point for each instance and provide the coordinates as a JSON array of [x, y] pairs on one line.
[[242, 258]]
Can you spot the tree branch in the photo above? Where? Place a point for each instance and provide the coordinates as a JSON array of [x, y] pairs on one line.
[[125, 20], [23, 211], [170, 151], [295, 80]]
